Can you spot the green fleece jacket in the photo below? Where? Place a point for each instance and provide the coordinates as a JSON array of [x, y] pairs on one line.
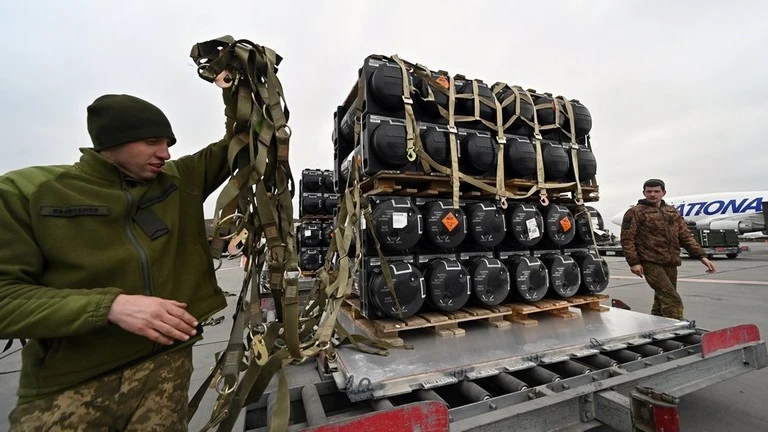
[[74, 237]]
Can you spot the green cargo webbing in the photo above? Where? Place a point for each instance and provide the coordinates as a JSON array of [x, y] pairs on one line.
[[256, 199]]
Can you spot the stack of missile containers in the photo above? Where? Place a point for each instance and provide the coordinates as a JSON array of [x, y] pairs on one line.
[[318, 202], [443, 258]]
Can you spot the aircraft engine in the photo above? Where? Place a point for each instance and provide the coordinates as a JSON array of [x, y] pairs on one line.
[[740, 226]]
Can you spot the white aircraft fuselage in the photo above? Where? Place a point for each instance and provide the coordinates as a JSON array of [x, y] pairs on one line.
[[741, 211]]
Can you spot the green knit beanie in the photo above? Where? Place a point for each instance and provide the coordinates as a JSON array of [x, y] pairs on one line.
[[120, 119]]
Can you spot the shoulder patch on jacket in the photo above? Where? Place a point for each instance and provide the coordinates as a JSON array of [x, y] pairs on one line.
[[74, 210]]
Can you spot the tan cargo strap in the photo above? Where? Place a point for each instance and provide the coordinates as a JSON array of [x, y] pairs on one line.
[[578, 197], [456, 176], [256, 199]]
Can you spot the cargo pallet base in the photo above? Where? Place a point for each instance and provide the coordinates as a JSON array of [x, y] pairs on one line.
[[437, 184], [447, 323]]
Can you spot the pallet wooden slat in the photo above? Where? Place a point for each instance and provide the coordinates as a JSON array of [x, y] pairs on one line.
[[447, 323]]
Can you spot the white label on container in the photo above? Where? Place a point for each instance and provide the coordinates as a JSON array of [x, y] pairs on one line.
[[399, 220], [307, 233], [533, 229]]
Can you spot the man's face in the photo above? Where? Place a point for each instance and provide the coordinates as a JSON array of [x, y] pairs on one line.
[[654, 194], [141, 160]]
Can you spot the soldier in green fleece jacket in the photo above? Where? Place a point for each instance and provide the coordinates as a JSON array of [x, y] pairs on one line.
[[105, 268]]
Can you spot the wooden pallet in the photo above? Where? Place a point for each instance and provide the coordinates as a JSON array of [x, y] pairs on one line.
[[437, 185], [447, 323], [522, 312]]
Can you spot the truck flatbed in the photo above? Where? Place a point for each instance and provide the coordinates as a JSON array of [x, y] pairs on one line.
[[652, 362]]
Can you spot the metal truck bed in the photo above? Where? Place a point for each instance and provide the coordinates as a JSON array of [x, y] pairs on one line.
[[620, 368]]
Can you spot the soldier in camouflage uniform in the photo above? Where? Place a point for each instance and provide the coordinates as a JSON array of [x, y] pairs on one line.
[[652, 233], [105, 267]]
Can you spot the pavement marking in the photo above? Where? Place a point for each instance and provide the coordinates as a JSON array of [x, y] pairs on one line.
[[713, 281]]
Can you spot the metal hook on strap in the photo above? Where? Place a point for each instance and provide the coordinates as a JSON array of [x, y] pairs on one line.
[[544, 200], [284, 129], [259, 350], [411, 153], [225, 389], [224, 79], [502, 201]]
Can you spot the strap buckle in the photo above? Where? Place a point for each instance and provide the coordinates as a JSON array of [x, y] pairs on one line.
[[407, 100], [223, 389], [452, 129], [537, 136], [502, 139]]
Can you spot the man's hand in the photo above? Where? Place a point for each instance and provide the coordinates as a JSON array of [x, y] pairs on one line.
[[637, 269], [160, 320], [708, 264]]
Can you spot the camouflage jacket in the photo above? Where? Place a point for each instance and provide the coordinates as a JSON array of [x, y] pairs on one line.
[[655, 234]]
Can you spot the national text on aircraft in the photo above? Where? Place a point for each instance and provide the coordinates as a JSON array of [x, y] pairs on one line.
[[710, 208]]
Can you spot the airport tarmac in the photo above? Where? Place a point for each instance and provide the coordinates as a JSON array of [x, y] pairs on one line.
[[736, 294]]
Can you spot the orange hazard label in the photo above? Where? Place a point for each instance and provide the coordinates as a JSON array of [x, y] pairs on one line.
[[443, 81], [450, 221], [565, 223]]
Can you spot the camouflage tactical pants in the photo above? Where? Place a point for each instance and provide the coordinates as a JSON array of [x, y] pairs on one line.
[[149, 396], [663, 280]]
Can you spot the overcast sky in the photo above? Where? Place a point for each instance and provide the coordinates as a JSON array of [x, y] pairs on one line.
[[677, 89]]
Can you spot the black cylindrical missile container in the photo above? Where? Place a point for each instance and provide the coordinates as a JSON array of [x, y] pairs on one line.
[[310, 258], [581, 116], [398, 224], [327, 233], [587, 165], [485, 224], [525, 226], [385, 87], [388, 145], [311, 181], [429, 108], [477, 153], [559, 228], [311, 234], [519, 158], [312, 204], [549, 112], [564, 275], [520, 106], [409, 287], [557, 161], [330, 202], [595, 273], [587, 219], [437, 145], [444, 226], [528, 277], [328, 181], [466, 106], [448, 285], [490, 281]]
